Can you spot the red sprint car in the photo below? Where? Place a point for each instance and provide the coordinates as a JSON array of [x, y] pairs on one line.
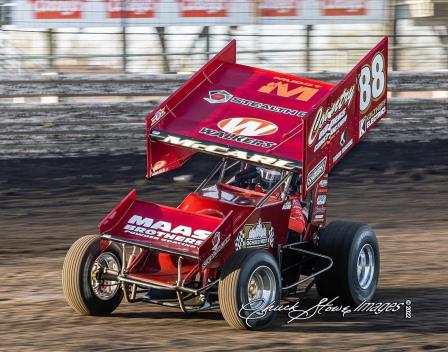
[[254, 230]]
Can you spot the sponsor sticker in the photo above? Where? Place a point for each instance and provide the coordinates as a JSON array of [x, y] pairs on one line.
[[260, 234], [248, 126], [222, 96], [225, 151], [216, 239], [215, 252], [286, 206], [323, 183], [288, 90], [366, 122], [323, 126], [342, 151], [321, 199], [158, 115], [342, 139], [236, 138], [316, 173], [165, 231]]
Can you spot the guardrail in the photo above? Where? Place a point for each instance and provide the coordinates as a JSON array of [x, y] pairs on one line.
[[75, 127]]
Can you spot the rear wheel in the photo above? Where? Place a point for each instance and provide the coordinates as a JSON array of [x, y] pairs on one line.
[[356, 262], [249, 283], [85, 288]]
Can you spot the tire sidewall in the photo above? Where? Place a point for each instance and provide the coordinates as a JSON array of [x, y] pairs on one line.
[[364, 236], [248, 266], [97, 305]]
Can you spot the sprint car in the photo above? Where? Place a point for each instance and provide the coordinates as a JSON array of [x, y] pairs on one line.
[[254, 231]]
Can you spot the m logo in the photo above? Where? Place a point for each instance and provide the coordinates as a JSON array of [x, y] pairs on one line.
[[282, 89], [247, 126]]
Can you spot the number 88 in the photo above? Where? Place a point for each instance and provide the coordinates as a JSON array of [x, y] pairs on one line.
[[371, 82]]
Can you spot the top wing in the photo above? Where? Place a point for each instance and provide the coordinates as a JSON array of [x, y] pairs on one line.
[[268, 118], [236, 111]]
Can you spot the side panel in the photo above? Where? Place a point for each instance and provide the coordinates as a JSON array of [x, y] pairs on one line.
[[348, 112]]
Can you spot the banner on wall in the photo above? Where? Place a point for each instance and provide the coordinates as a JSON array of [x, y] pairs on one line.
[[50, 9], [112, 13], [343, 8], [269, 8], [203, 8], [130, 8]]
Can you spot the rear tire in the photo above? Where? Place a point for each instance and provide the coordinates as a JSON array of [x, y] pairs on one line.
[[356, 262], [248, 275], [77, 275]]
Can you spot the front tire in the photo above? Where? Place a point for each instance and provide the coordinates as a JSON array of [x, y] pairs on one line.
[[356, 262], [249, 282], [84, 289]]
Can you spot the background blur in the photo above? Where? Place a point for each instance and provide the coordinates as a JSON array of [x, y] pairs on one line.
[[170, 36]]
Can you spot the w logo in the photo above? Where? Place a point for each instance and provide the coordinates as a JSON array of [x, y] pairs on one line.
[[247, 126]]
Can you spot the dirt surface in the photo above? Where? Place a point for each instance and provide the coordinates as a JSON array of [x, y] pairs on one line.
[[400, 189]]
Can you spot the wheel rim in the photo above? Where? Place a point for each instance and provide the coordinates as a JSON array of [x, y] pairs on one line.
[[104, 289], [365, 266], [261, 288]]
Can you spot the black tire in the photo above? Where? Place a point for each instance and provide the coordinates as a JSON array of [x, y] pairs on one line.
[[76, 277], [343, 242], [233, 287]]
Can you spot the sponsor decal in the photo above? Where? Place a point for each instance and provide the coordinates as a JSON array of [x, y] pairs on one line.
[[343, 150], [216, 239], [222, 96], [201, 8], [342, 139], [323, 118], [286, 206], [260, 234], [57, 9], [218, 97], [225, 151], [130, 8], [321, 199], [236, 138], [316, 173], [370, 119], [323, 183], [215, 252], [248, 126], [320, 210], [158, 115], [330, 129], [159, 167], [284, 89], [165, 231]]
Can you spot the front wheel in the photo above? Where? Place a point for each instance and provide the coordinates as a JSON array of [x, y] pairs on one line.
[[85, 288], [249, 284], [356, 262]]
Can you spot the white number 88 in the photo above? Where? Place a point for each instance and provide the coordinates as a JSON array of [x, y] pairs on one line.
[[371, 82]]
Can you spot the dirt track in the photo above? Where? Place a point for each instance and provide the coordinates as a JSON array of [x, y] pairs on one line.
[[400, 189]]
